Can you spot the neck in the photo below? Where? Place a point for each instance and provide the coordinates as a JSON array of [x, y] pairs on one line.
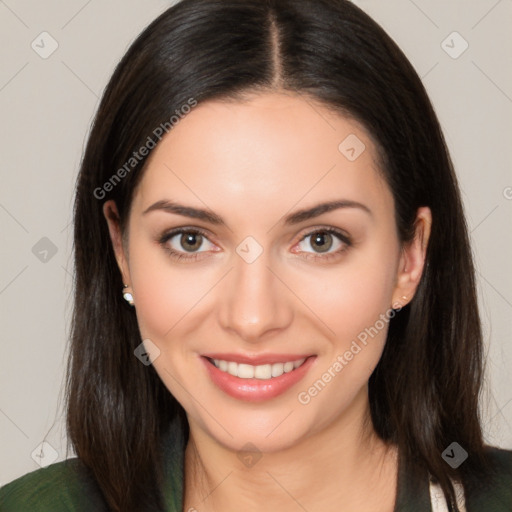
[[343, 467]]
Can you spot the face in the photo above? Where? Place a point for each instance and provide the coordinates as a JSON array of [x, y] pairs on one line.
[[264, 263]]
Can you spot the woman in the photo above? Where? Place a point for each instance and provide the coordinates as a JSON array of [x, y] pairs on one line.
[[275, 303]]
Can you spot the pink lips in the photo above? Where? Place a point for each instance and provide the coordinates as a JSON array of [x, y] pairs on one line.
[[256, 390]]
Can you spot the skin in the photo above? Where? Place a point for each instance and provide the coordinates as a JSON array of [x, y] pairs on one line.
[[253, 163]]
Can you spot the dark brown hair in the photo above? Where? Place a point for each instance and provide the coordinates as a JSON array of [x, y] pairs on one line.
[[424, 391]]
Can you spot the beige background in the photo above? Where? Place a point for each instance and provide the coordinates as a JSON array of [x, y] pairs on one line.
[[47, 106]]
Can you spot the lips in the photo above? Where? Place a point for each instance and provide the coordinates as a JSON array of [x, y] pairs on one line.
[[256, 378]]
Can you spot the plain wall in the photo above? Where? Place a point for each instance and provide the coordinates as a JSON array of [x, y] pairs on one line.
[[47, 105]]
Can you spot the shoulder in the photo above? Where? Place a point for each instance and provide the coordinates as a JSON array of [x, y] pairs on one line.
[[500, 466], [494, 492], [64, 486]]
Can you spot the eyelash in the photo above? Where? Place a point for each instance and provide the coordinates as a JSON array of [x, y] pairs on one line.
[[178, 256]]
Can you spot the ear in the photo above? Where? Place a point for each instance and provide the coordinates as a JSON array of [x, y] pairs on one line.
[[112, 217], [412, 260]]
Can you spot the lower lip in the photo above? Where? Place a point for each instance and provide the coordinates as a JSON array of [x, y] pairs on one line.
[[256, 390]]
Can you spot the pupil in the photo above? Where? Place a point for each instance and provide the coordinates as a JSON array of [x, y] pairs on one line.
[[192, 240], [319, 240]]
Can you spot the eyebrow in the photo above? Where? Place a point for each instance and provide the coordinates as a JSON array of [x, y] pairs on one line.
[[291, 219]]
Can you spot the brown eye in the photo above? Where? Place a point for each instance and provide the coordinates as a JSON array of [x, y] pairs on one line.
[[324, 243], [321, 241], [191, 241], [186, 241]]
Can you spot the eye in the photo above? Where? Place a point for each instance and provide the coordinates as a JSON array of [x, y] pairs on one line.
[[186, 243], [189, 243], [329, 242]]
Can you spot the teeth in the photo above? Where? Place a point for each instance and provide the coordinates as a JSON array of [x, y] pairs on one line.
[[232, 368], [263, 372], [288, 367], [245, 371]]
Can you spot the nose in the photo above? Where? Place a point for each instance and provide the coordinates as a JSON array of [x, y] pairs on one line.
[[254, 301]]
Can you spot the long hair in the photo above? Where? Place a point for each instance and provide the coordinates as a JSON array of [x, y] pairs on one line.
[[424, 392]]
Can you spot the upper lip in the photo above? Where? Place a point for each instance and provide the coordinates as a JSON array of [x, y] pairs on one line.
[[256, 360]]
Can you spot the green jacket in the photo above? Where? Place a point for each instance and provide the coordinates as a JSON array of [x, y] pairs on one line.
[[67, 486]]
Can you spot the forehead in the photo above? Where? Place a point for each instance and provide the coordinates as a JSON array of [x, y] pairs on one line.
[[271, 148]]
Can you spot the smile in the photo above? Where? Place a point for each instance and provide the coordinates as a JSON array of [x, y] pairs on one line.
[[266, 378], [263, 372]]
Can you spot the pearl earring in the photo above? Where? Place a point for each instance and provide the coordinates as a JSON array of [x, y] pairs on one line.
[[398, 305], [127, 296]]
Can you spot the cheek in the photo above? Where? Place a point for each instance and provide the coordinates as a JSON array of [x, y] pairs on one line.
[[356, 306], [164, 292], [353, 297]]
